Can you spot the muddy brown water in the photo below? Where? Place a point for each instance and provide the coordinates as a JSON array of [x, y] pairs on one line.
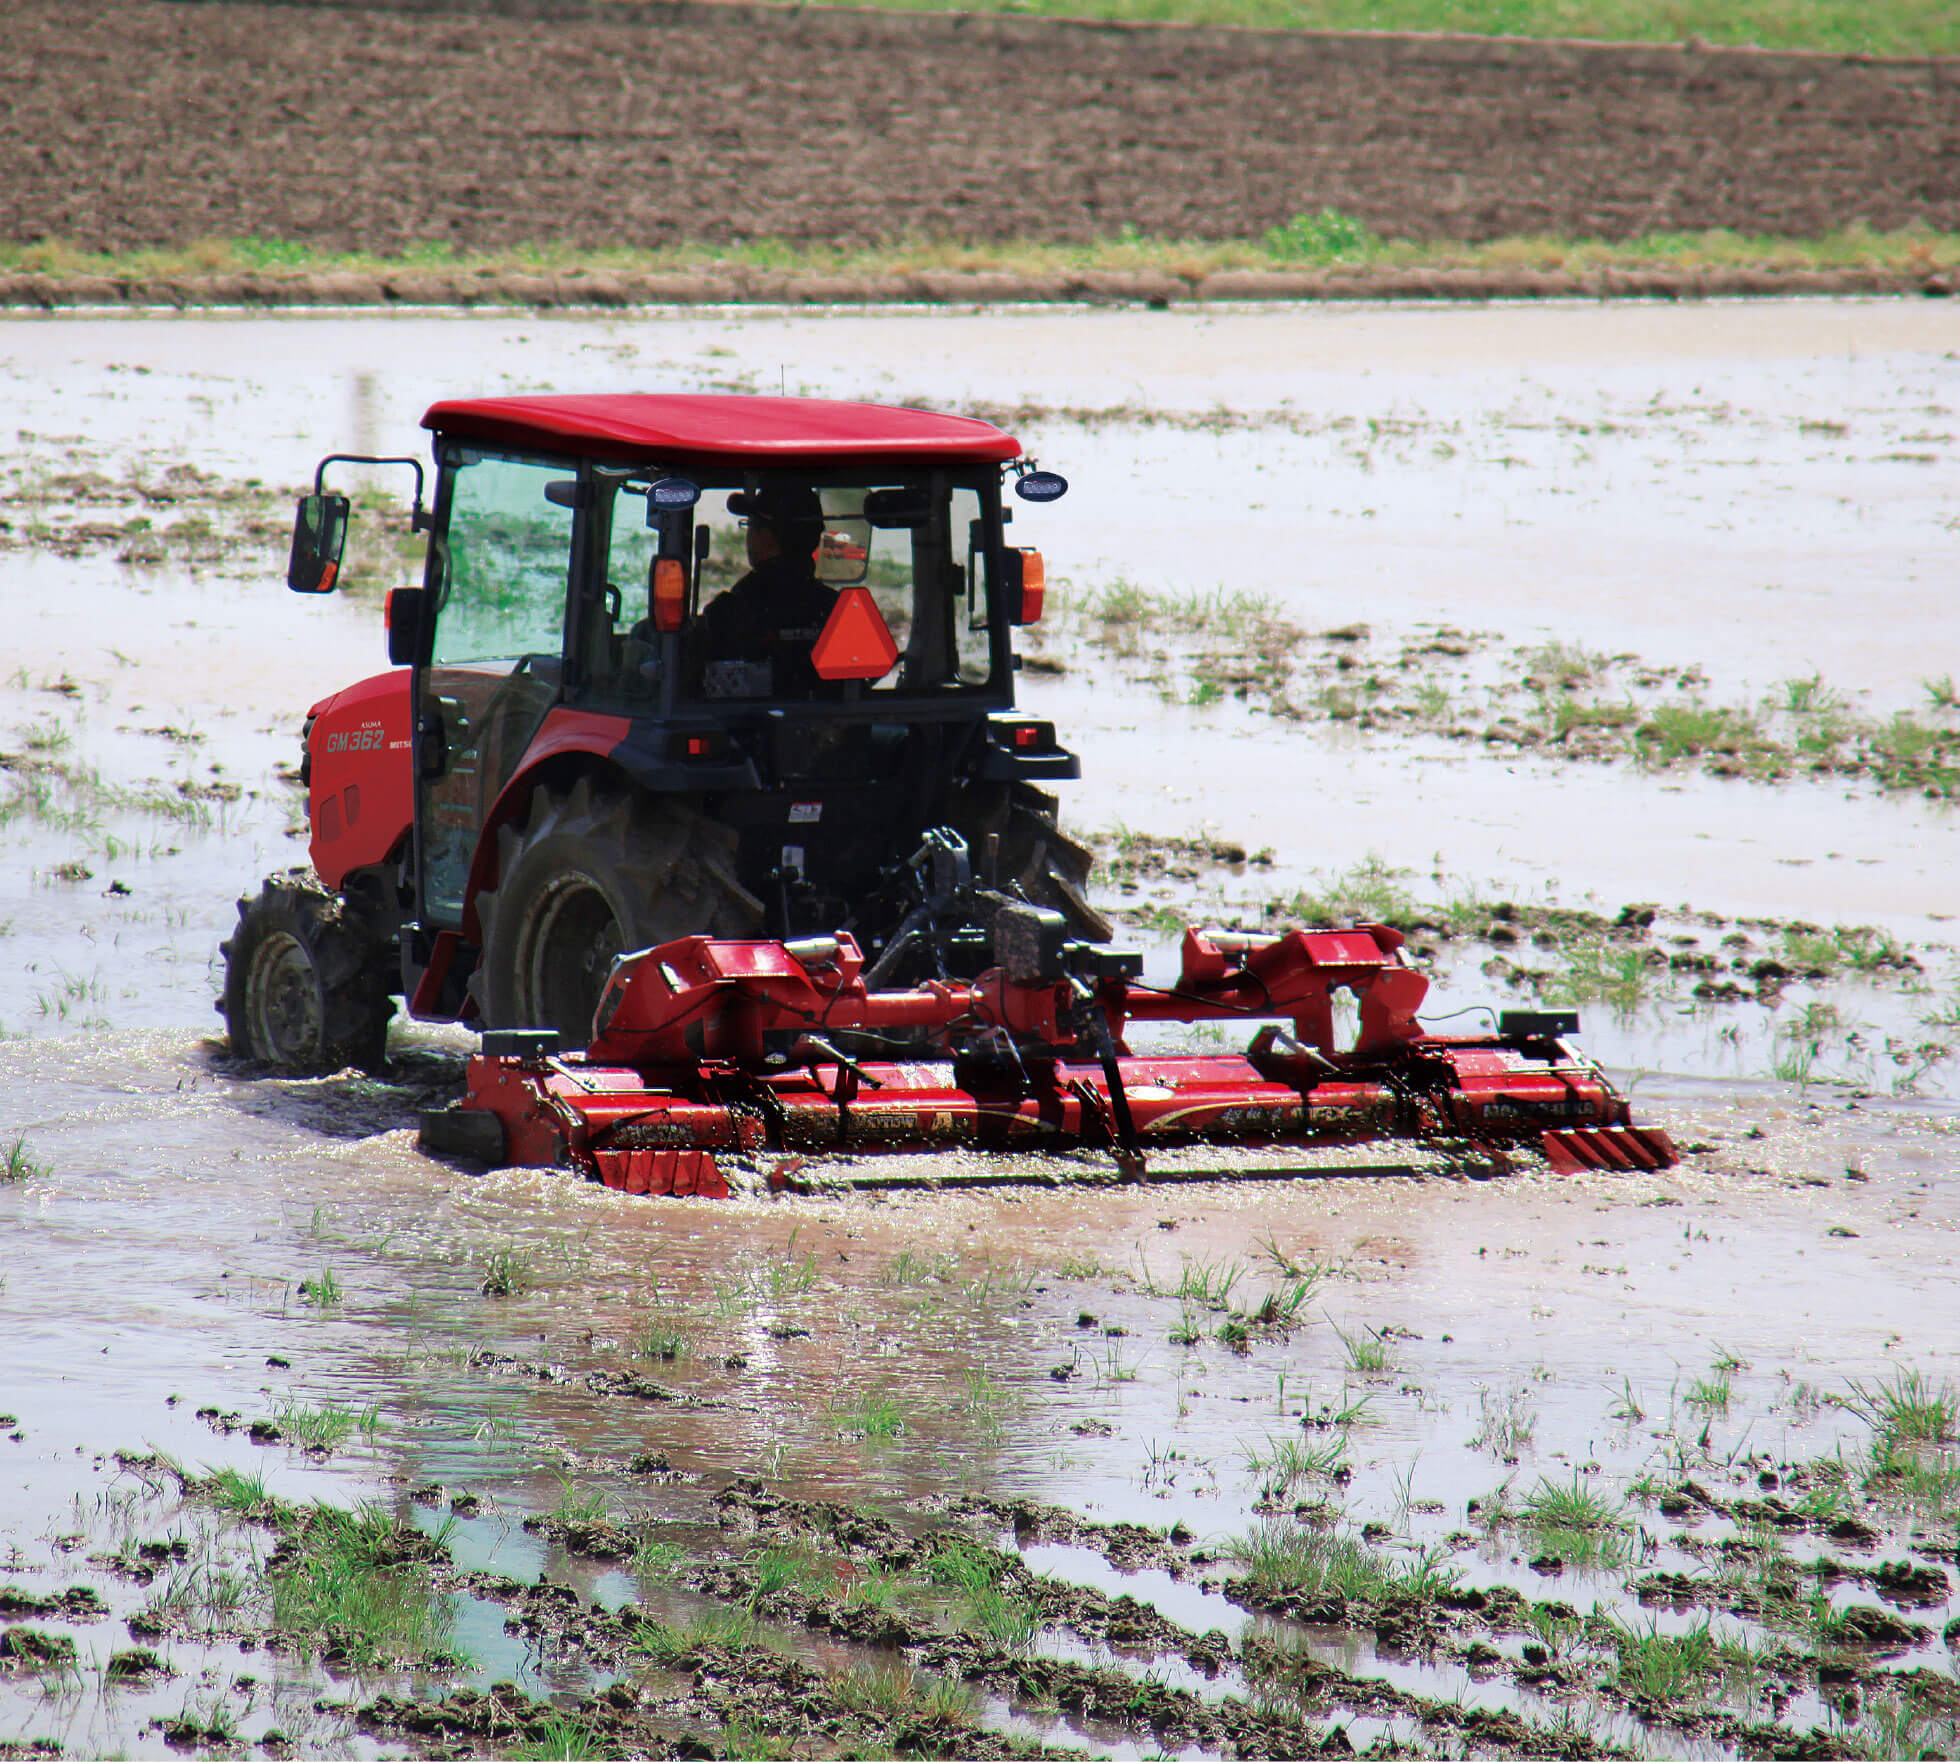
[[155, 1258]]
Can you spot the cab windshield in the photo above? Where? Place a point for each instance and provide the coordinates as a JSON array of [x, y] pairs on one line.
[[899, 563]]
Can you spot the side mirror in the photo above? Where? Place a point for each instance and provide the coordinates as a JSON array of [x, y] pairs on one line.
[[319, 537]]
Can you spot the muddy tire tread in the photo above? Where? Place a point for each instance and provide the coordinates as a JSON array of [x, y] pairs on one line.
[[667, 870], [357, 970]]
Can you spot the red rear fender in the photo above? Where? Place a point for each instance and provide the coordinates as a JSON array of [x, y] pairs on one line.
[[569, 743]]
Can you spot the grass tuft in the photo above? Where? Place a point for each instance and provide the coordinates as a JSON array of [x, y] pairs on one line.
[[988, 1606], [20, 1164], [1664, 1668], [871, 1414], [323, 1291], [1367, 1350], [1909, 1407], [355, 1588], [507, 1272], [1282, 1463], [327, 1427], [1285, 1558]]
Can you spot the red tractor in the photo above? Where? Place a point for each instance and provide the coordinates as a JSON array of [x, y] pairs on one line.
[[698, 786]]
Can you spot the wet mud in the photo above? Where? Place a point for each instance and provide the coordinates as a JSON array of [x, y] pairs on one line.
[[1515, 1466]]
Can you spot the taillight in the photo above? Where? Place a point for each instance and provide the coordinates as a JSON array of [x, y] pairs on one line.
[[669, 593], [1026, 737]]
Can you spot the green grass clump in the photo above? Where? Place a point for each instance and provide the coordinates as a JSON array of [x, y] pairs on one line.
[[1665, 1668], [873, 1414], [664, 1341], [906, 1704], [1599, 970], [1328, 236], [1367, 1350], [1371, 892], [234, 1492], [1281, 1463], [1711, 1393], [328, 1427], [1208, 1282], [986, 1603], [580, 1505], [1506, 1424], [789, 1569], [1908, 1406], [655, 1556], [1574, 1507], [1285, 1558], [730, 1629], [1680, 731], [19, 1163], [563, 1738], [323, 1292], [506, 1272], [354, 1587], [1576, 1524]]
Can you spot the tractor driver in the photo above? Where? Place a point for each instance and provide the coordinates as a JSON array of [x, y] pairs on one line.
[[754, 640]]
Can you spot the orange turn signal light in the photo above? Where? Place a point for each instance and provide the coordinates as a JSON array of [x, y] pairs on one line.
[[669, 593], [1034, 585]]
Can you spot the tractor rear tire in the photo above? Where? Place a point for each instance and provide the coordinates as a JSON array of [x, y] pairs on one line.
[[308, 984], [592, 874], [1036, 855]]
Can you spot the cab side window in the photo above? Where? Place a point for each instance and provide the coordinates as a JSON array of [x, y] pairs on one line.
[[509, 556]]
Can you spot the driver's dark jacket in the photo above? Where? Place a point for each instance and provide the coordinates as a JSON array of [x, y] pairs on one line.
[[773, 614]]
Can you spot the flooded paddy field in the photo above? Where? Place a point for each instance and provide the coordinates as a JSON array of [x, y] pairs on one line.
[[1600, 649]]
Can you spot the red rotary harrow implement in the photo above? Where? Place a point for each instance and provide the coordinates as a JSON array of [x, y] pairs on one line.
[[708, 1052]]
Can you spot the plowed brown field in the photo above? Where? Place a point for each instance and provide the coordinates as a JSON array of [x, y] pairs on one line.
[[135, 123]]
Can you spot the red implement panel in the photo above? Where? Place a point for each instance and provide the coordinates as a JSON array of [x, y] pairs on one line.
[[710, 1047]]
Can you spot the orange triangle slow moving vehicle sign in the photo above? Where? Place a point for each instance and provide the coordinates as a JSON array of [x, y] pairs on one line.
[[854, 644]]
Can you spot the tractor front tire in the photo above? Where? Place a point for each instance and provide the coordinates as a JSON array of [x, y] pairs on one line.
[[592, 874], [308, 985]]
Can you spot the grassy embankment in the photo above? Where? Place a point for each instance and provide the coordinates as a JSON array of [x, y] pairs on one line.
[[1888, 27], [1323, 240]]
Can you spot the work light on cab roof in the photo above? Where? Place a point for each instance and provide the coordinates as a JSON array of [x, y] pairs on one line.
[[697, 784]]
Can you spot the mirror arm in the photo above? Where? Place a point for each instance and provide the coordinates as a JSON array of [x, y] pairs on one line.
[[419, 519]]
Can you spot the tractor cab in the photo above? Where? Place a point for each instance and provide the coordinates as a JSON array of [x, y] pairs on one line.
[[790, 619]]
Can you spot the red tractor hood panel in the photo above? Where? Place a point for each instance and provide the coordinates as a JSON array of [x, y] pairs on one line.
[[360, 778]]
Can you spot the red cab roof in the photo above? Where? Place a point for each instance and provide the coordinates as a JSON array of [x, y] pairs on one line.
[[724, 429]]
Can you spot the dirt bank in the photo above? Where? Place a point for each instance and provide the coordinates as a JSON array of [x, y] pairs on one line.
[[142, 124], [736, 286]]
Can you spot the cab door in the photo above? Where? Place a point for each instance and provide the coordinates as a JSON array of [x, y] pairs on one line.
[[497, 655]]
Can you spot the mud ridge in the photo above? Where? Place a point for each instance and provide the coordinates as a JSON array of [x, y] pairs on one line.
[[598, 290]]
